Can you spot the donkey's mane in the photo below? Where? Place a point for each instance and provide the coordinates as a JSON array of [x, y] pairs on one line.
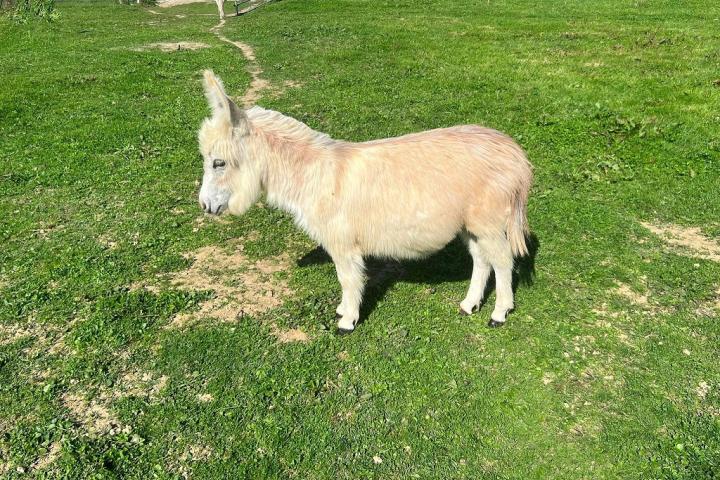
[[286, 127]]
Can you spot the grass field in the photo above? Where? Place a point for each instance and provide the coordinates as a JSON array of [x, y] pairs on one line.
[[139, 339]]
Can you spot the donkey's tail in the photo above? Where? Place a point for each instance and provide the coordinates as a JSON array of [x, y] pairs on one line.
[[517, 226]]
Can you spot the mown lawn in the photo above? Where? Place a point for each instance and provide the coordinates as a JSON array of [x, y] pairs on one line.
[[608, 368]]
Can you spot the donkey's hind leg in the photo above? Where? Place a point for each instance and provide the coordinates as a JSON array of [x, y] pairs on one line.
[[497, 250], [487, 252], [478, 281]]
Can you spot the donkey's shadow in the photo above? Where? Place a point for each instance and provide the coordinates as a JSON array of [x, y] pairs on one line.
[[451, 264]]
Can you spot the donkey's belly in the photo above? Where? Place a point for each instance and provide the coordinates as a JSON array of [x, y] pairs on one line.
[[410, 237]]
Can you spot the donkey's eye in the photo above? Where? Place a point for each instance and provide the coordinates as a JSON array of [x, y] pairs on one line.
[[217, 163]]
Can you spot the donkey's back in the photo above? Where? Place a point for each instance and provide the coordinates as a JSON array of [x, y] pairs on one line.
[[407, 197]]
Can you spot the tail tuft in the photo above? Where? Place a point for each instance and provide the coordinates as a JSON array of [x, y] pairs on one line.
[[517, 228]]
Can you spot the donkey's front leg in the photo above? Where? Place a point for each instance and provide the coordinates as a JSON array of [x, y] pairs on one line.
[[351, 273]]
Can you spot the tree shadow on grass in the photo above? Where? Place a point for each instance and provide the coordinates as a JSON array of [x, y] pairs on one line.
[[451, 264]]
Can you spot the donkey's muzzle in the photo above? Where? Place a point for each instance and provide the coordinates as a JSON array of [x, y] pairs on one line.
[[211, 209]]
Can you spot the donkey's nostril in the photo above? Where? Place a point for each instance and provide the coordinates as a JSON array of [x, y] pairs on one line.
[[202, 205]]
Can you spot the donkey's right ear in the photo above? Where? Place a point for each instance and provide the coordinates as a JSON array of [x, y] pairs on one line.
[[215, 93]]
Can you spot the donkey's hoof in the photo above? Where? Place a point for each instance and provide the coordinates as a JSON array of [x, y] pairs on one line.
[[346, 324], [494, 323], [344, 331], [463, 311]]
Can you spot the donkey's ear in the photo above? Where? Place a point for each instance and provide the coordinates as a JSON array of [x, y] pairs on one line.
[[239, 119], [222, 107], [215, 94]]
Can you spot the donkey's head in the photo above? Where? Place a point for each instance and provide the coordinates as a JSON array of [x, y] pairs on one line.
[[232, 172]]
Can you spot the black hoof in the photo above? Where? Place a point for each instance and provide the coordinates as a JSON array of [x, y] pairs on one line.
[[494, 323], [343, 331]]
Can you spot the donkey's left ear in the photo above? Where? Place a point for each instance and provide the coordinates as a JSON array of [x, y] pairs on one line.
[[222, 107]]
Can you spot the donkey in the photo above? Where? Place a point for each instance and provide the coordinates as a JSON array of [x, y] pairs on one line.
[[403, 198], [220, 6]]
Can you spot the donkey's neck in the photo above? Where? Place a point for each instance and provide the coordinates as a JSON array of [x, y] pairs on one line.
[[297, 161], [284, 128]]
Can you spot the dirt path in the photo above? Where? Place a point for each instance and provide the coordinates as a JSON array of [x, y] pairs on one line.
[[258, 84], [174, 3]]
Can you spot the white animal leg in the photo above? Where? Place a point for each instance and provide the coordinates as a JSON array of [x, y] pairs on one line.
[[495, 250], [480, 275], [351, 273], [500, 255], [504, 295], [221, 10]]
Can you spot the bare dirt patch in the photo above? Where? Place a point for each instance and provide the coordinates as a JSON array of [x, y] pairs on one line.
[[289, 336], [548, 378], [93, 415], [10, 334], [135, 383], [107, 241], [628, 293], [196, 452], [169, 47], [205, 397], [292, 84], [181, 462], [46, 229], [47, 338], [702, 390], [241, 286], [49, 458], [690, 240], [640, 300]]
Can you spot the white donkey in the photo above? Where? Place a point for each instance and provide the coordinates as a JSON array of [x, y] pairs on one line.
[[402, 198]]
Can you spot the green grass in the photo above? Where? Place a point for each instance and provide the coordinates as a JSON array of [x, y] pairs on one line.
[[617, 105]]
